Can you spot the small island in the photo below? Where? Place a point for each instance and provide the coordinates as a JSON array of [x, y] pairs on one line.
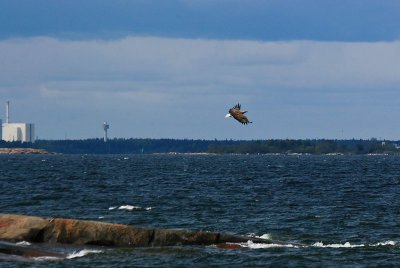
[[23, 151]]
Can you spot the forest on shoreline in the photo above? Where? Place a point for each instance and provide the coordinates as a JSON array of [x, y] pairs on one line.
[[272, 146]]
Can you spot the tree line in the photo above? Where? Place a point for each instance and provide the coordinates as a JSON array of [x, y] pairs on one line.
[[146, 146]]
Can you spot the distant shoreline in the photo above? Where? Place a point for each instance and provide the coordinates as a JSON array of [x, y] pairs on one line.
[[187, 153], [23, 151], [204, 147], [32, 151]]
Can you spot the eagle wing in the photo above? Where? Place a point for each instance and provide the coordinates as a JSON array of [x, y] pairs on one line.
[[238, 114]]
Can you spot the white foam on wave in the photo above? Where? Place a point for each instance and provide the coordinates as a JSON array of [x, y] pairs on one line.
[[252, 245], [130, 208], [345, 245], [73, 255], [23, 243], [47, 258], [82, 253], [386, 243], [349, 245], [265, 236]]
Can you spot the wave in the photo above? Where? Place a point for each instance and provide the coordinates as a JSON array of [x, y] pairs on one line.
[[82, 253], [47, 258], [345, 245], [23, 243], [265, 236], [250, 244], [349, 245], [386, 243], [73, 255], [130, 208]]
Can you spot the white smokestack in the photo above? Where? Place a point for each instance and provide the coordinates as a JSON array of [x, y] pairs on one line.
[[7, 112]]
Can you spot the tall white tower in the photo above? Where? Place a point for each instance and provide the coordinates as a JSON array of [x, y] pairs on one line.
[[7, 112], [106, 126]]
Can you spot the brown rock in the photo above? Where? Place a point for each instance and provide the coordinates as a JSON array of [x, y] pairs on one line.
[[18, 228], [79, 232], [95, 233], [183, 237]]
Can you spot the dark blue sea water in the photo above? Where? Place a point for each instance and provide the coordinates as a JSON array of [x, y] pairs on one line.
[[343, 210]]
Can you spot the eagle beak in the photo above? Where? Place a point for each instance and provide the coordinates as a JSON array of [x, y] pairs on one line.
[[228, 115]]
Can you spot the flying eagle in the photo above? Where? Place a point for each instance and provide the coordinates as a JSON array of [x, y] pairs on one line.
[[236, 113]]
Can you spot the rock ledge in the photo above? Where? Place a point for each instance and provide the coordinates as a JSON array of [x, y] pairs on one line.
[[15, 228]]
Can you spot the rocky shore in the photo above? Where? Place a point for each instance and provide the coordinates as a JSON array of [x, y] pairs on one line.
[[23, 151], [14, 228]]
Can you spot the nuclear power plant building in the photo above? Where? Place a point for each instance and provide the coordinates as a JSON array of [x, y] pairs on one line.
[[22, 132]]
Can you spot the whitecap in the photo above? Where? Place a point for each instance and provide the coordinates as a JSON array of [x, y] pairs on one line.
[[349, 245], [81, 253], [129, 207], [386, 243], [345, 245], [47, 258], [252, 245], [265, 236], [23, 243]]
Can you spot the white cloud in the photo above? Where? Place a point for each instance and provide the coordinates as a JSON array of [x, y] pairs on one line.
[[168, 64]]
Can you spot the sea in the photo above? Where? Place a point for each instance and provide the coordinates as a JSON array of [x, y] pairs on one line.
[[324, 211]]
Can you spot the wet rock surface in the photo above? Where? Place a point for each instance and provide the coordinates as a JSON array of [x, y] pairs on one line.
[[16, 228]]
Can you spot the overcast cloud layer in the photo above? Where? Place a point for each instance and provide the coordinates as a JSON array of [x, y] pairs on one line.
[[182, 88], [323, 20], [158, 69]]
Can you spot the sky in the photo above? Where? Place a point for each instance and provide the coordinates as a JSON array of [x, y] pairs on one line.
[[303, 69]]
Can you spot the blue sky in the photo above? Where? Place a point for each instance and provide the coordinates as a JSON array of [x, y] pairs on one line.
[[172, 69]]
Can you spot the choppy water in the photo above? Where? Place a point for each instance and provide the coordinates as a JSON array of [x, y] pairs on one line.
[[343, 210]]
